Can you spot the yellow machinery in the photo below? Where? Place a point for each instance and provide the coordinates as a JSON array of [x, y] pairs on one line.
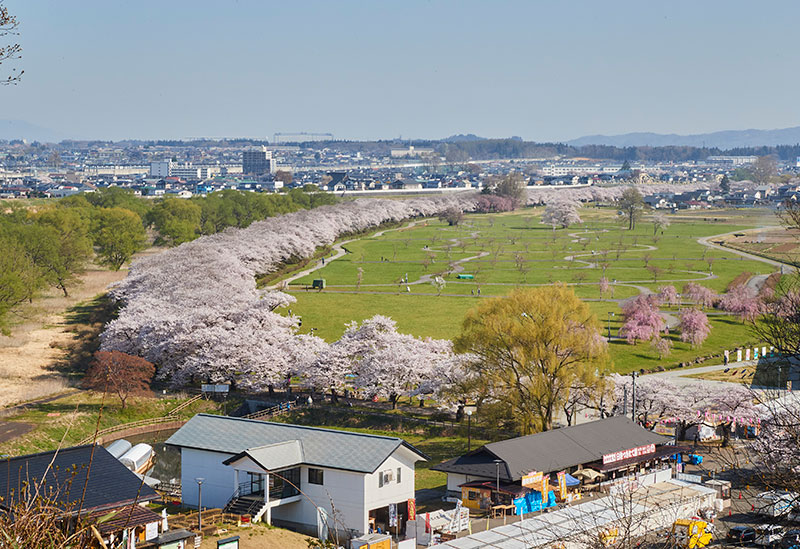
[[691, 533]]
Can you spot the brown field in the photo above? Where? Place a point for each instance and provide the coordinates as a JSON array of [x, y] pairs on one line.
[[37, 343], [48, 333], [774, 242], [259, 536]]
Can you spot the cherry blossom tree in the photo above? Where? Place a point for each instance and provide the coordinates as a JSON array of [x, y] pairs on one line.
[[439, 283], [701, 295], [694, 326], [660, 222], [384, 363], [561, 213], [668, 295], [661, 345], [743, 302], [642, 319], [604, 286]]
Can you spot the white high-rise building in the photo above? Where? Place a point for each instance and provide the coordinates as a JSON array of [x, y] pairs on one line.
[[161, 168]]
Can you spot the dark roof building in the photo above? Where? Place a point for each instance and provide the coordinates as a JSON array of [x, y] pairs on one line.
[[287, 444], [597, 443], [65, 473]]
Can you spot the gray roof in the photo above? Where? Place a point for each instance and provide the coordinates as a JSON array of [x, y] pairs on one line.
[[321, 447], [273, 456], [554, 450]]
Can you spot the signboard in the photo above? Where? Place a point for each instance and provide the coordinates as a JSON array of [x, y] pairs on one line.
[[562, 484], [216, 388], [545, 488], [627, 454], [534, 478], [150, 531]]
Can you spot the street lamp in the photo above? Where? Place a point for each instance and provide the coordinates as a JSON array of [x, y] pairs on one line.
[[610, 314], [469, 410], [497, 463], [199, 481]]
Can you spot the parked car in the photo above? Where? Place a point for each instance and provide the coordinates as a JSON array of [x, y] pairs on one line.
[[768, 535], [791, 540], [741, 535]]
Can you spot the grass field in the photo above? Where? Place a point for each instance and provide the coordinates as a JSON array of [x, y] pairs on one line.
[[505, 251], [74, 418]]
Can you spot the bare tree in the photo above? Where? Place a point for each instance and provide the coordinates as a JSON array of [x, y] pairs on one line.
[[9, 52]]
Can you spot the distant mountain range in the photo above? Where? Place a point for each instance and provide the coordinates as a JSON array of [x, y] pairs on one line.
[[19, 129], [727, 139]]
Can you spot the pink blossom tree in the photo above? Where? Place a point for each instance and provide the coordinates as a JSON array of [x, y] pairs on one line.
[[661, 345], [642, 319], [701, 295], [668, 294], [694, 326], [743, 302]]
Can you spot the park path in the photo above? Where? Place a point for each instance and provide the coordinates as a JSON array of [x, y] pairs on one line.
[[339, 250], [705, 241]]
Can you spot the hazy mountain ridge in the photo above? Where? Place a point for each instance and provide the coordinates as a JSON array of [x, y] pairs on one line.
[[726, 139], [20, 129]]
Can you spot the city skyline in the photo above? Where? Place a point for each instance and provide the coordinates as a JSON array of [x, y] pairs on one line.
[[543, 71]]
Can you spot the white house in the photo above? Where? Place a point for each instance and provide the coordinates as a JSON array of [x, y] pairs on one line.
[[305, 478]]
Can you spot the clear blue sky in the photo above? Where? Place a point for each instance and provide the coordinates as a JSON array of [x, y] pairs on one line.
[[543, 70]]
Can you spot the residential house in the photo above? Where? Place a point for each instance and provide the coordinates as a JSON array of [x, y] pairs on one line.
[[86, 481], [301, 477]]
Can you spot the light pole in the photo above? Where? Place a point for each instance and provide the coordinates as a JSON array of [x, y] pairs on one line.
[[497, 463], [610, 314], [633, 397], [199, 481]]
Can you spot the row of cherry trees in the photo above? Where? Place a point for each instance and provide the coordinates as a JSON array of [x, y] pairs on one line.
[[196, 312], [659, 400]]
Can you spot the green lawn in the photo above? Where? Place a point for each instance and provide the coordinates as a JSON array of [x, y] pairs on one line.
[[516, 250]]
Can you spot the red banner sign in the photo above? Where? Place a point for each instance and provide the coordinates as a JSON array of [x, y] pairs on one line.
[[627, 454]]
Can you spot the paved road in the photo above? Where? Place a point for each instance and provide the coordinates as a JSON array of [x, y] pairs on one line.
[[13, 429]]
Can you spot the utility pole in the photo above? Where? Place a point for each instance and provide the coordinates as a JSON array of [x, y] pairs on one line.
[[633, 397]]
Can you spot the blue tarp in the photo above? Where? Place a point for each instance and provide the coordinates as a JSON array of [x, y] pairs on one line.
[[532, 502], [572, 481]]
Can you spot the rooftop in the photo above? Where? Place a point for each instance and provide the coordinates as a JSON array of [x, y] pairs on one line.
[[261, 440], [554, 450], [108, 483]]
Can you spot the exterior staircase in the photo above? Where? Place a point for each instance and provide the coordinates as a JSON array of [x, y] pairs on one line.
[[246, 505]]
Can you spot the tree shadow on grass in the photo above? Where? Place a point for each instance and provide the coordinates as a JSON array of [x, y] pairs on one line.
[[85, 321]]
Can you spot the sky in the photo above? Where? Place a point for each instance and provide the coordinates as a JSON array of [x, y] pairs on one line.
[[543, 70]]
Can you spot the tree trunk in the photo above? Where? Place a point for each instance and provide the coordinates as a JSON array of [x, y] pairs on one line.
[[271, 390], [393, 399], [334, 396]]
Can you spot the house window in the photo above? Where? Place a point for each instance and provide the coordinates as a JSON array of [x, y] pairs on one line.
[[398, 475], [472, 495], [314, 476]]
